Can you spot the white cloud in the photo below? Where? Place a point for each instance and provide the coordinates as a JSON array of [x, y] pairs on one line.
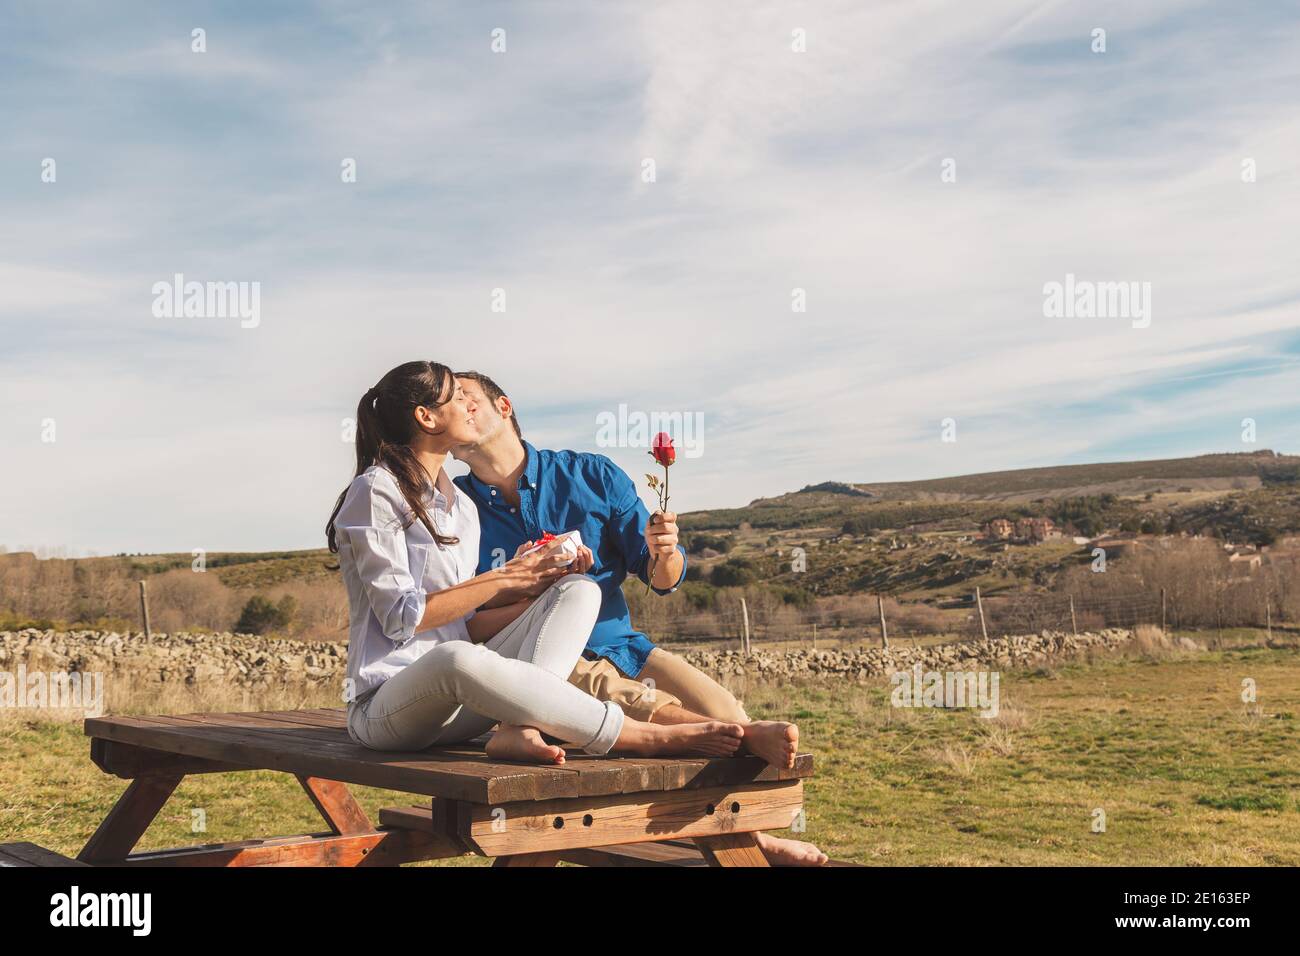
[[818, 170]]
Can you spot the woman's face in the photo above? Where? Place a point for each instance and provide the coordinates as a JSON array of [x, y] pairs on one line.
[[452, 422]]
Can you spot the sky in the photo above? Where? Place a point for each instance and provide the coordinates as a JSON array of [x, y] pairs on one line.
[[921, 171]]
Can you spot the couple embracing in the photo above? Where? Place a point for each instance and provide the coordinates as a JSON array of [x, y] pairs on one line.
[[450, 642]]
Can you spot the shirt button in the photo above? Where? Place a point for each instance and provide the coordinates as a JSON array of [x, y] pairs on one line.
[[512, 510], [494, 491]]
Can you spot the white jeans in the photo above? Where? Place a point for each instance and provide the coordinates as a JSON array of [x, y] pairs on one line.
[[458, 690]]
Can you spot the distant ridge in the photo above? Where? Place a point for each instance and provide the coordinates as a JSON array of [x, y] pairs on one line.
[[837, 488], [1213, 472]]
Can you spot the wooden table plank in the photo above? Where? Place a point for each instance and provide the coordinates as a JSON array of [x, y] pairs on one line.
[[315, 743], [30, 855], [481, 780], [130, 761], [429, 775], [321, 716], [636, 854], [674, 772], [548, 781], [373, 848], [598, 775], [557, 825]]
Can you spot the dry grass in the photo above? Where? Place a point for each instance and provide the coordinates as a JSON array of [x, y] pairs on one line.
[[1186, 772], [956, 757]]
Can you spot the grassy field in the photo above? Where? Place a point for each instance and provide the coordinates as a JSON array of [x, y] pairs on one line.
[[1183, 770]]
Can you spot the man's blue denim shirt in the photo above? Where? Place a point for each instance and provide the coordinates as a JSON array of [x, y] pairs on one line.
[[577, 491]]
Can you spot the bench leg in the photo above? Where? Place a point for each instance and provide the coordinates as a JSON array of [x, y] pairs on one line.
[[528, 859], [731, 849], [129, 818], [336, 804]]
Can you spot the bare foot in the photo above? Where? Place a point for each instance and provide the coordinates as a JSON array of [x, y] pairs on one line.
[[774, 740], [782, 852], [512, 742], [709, 739]]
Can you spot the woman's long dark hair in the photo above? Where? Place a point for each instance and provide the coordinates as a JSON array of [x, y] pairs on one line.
[[385, 428]]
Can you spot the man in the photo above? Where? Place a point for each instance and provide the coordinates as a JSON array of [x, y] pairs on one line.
[[521, 493]]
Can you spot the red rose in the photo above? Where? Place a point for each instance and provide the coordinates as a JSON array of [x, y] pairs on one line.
[[662, 450]]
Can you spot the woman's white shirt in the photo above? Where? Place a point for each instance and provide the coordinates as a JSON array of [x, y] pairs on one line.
[[390, 570]]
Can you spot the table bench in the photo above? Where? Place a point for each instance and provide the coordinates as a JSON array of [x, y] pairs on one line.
[[591, 810], [29, 854]]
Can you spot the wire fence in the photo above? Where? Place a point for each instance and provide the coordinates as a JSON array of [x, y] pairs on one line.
[[868, 618]]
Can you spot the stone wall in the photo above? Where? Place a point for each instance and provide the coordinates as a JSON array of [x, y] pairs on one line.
[[246, 659], [868, 663]]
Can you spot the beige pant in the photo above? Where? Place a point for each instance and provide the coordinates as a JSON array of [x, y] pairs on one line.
[[665, 679]]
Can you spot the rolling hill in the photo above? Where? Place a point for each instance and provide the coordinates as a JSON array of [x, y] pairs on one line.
[[967, 499]]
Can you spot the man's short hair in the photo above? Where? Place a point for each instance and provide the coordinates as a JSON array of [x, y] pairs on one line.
[[493, 391]]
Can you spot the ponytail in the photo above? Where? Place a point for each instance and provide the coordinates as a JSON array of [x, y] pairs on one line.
[[385, 428]]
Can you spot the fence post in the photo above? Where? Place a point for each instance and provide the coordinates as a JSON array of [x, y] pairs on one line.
[[979, 603], [1268, 618], [744, 613], [144, 610], [814, 647], [1162, 610], [884, 629], [1074, 622]]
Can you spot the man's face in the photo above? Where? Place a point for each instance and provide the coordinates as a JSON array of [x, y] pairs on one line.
[[487, 415]]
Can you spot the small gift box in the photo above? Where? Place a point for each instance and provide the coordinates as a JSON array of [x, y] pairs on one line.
[[572, 541]]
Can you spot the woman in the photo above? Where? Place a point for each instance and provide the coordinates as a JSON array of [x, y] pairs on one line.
[[439, 655]]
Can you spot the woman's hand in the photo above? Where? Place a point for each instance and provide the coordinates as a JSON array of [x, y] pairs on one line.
[[530, 574], [526, 576]]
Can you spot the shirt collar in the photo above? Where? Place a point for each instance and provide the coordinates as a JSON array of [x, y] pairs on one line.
[[528, 479], [532, 468], [445, 493]]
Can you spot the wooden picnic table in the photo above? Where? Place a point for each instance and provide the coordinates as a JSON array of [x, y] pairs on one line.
[[593, 810]]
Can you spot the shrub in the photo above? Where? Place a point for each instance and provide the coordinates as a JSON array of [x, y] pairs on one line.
[[735, 572], [700, 595], [795, 596], [260, 615], [698, 542]]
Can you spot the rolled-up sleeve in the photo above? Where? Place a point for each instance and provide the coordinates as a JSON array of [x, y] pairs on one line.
[[628, 524], [369, 526]]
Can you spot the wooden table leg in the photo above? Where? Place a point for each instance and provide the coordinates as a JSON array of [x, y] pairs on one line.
[[528, 859], [129, 818], [731, 849], [336, 804]]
